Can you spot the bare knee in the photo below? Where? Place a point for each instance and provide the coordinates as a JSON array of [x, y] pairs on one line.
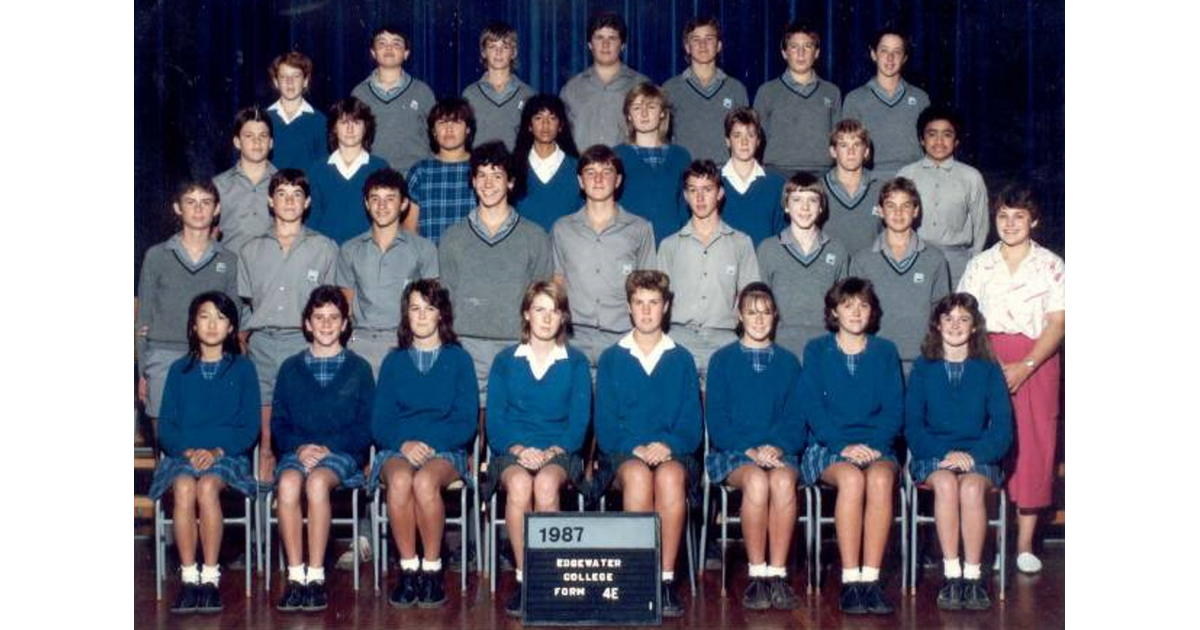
[[288, 491], [851, 483], [944, 483], [399, 485], [545, 490], [880, 482], [669, 482], [184, 488], [318, 485], [971, 489], [783, 486], [519, 485], [425, 487], [756, 488], [208, 490]]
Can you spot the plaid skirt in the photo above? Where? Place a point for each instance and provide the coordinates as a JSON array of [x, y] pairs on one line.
[[348, 472], [234, 470], [721, 463], [489, 482], [458, 459], [608, 465], [921, 468], [817, 457]]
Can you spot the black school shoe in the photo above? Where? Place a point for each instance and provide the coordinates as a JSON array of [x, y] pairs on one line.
[[209, 598], [757, 595], [293, 597], [405, 593], [782, 595], [950, 596], [185, 601], [315, 597], [671, 606], [512, 607], [850, 601], [975, 595], [873, 599], [432, 591]]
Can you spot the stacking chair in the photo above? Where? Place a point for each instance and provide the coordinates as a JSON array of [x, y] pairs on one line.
[[822, 520]]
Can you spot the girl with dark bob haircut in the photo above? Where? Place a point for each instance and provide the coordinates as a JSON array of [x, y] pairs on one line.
[[438, 297], [845, 290]]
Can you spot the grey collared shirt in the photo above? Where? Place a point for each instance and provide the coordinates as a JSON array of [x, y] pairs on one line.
[[595, 264], [954, 203], [595, 108], [706, 279], [244, 212], [278, 283], [379, 277]]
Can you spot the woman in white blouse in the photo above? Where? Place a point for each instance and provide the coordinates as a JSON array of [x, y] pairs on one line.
[[1021, 288]]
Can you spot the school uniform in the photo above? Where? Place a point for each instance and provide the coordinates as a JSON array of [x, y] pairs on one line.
[[596, 109], [244, 211], [954, 209], [853, 219], [550, 190], [651, 187], [698, 112], [497, 112], [337, 209], [753, 206], [799, 281], [891, 121], [298, 140], [401, 134], [797, 119]]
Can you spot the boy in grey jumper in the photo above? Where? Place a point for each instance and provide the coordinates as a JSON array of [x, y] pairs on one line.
[[499, 95], [487, 262], [399, 101], [910, 276], [799, 110], [703, 95]]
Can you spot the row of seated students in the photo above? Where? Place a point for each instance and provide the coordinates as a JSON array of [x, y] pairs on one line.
[[795, 122]]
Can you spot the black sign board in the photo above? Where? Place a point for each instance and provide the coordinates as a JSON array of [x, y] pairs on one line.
[[592, 569]]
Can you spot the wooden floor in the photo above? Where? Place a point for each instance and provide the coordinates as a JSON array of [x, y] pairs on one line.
[[1034, 602]]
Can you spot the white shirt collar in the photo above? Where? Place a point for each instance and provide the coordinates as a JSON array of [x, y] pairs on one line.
[[546, 168], [648, 361], [559, 353], [348, 171], [735, 180], [305, 108]]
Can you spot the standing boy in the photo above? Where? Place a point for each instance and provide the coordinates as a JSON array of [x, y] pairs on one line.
[[954, 195], [277, 273], [441, 185], [243, 188], [888, 106], [595, 249], [499, 96], [375, 267], [909, 276], [799, 110], [489, 260], [710, 262], [399, 101], [299, 128], [595, 96], [853, 190], [703, 95]]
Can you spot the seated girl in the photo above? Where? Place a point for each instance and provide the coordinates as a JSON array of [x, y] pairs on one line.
[[853, 396], [425, 416], [538, 409], [756, 430], [648, 418], [321, 431], [207, 426], [958, 426]]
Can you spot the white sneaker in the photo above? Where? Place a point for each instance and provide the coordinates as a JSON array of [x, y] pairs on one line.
[[1028, 563]]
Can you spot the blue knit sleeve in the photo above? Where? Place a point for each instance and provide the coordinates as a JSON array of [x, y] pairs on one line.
[[889, 419], [499, 434], [581, 404], [385, 425], [718, 401], [170, 430], [249, 410], [284, 436], [687, 429], [463, 418], [812, 397], [916, 431], [790, 431], [608, 429], [356, 437], [997, 437]]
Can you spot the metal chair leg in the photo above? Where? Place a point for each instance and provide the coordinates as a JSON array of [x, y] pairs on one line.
[[724, 540]]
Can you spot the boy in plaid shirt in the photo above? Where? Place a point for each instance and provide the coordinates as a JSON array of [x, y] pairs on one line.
[[440, 186]]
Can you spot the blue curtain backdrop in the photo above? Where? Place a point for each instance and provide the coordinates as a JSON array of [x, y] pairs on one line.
[[1000, 62]]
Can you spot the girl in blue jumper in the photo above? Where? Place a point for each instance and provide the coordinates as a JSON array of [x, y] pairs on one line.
[[958, 427], [206, 430], [756, 430], [338, 179], [648, 418], [321, 431], [425, 414], [653, 182], [853, 395], [545, 157], [538, 409]]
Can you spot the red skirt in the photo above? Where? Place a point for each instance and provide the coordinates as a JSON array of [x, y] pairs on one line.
[[1035, 411]]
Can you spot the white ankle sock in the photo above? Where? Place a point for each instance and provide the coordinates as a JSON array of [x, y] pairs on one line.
[[315, 574], [776, 571], [951, 568], [190, 574], [410, 564], [520, 576], [758, 570], [851, 575], [972, 571], [210, 574], [431, 566], [668, 576], [870, 574], [296, 573]]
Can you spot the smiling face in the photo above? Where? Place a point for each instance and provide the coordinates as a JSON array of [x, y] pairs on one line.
[[385, 205], [253, 141], [853, 315], [703, 196], [423, 319], [647, 308], [290, 82], [939, 139], [956, 327], [702, 45], [758, 321], [1014, 225], [545, 320], [326, 326], [288, 203], [803, 208], [900, 210], [889, 56], [211, 327], [606, 46], [389, 50], [492, 185], [743, 142], [197, 209], [800, 53]]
